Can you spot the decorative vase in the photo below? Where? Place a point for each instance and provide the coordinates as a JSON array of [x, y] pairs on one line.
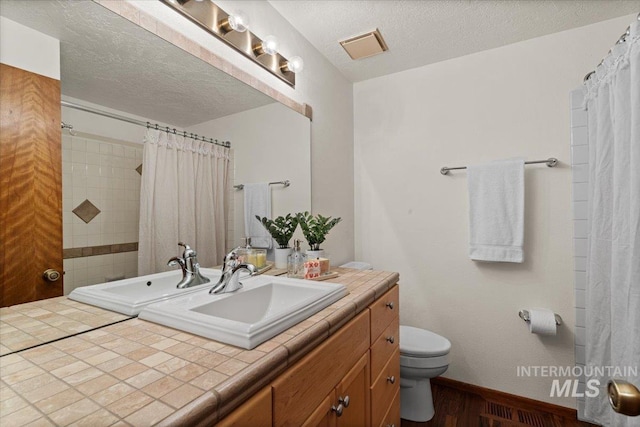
[[315, 254], [280, 257]]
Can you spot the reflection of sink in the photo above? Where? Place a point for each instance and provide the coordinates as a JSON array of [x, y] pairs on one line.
[[129, 296], [265, 307]]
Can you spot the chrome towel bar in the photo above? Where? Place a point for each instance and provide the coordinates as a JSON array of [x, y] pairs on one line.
[[285, 183], [551, 162]]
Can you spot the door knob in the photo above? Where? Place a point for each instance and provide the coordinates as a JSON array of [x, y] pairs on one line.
[[390, 305], [624, 397], [51, 275], [391, 379], [391, 339]]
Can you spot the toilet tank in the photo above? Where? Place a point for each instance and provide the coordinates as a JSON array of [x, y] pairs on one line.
[[358, 265]]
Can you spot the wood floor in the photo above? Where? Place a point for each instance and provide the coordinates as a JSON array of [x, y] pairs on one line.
[[457, 408]]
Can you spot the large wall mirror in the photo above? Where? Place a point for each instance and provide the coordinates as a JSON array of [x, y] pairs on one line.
[[111, 64]]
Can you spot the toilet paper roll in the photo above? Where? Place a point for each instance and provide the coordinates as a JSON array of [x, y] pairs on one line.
[[542, 321]]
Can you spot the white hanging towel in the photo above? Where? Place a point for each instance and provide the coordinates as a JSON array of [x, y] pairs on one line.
[[496, 211], [257, 201]]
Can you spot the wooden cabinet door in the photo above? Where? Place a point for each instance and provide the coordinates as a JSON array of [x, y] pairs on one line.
[[323, 416], [30, 186], [255, 412], [355, 387]]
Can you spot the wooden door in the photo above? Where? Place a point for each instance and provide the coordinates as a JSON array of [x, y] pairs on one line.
[[355, 388], [30, 186]]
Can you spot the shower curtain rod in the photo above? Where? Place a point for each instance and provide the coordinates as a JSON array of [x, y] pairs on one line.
[[622, 39], [148, 125]]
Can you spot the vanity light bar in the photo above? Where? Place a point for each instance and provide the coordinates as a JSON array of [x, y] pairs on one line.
[[215, 21]]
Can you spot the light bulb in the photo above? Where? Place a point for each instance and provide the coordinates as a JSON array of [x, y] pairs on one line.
[[239, 22], [294, 64], [270, 45]]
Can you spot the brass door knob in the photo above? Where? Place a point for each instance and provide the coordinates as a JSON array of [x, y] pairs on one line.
[[624, 397], [51, 275]]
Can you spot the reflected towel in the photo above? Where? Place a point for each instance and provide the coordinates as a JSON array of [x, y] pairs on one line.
[[496, 211], [257, 201]]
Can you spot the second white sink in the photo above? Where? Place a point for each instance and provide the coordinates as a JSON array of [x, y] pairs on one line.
[[129, 296], [263, 308]]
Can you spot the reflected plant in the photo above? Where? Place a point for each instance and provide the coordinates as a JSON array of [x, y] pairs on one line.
[[281, 228]]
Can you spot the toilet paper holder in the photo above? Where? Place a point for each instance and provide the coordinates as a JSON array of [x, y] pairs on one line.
[[524, 315]]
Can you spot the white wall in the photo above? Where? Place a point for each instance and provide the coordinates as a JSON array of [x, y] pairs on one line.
[[28, 49], [505, 102], [321, 86], [271, 143]]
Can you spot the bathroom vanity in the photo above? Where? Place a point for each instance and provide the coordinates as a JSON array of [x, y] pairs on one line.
[[338, 367]]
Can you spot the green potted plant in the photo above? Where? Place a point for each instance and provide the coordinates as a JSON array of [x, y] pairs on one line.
[[281, 229], [315, 230]]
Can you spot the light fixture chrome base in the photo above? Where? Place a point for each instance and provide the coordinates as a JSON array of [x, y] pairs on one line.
[[216, 21]]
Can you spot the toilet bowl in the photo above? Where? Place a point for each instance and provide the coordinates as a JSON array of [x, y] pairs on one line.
[[423, 355]]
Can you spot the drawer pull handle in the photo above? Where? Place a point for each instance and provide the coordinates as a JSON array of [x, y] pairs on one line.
[[391, 339], [391, 379], [390, 425], [390, 305], [338, 410], [344, 401]]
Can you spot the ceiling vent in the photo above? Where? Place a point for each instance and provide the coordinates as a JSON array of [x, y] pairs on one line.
[[365, 45]]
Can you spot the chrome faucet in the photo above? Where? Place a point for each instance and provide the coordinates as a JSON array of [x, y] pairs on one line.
[[191, 275], [229, 281]]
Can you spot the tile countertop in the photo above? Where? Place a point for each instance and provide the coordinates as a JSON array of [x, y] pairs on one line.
[[139, 373]]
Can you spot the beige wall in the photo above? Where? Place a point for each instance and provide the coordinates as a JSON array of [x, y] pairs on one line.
[[321, 86], [270, 144], [506, 102]]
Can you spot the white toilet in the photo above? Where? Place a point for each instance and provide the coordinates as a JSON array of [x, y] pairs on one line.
[[423, 355]]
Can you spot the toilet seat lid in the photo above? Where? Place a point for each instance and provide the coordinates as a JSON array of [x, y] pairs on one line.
[[418, 342]]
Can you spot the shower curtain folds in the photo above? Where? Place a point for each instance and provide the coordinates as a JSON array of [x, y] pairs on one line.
[[612, 100], [183, 198]]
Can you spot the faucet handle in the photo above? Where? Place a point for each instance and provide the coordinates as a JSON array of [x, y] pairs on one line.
[[188, 252]]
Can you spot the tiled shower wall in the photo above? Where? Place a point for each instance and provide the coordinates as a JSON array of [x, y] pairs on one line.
[[103, 173], [579, 196]]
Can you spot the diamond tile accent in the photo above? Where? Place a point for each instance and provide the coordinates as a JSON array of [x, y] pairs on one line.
[[86, 211], [139, 169]]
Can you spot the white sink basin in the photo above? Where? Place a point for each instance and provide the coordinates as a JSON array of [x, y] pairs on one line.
[[263, 308], [129, 296]]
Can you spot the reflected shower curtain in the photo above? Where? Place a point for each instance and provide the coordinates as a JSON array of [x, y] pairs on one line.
[[184, 197], [613, 264]]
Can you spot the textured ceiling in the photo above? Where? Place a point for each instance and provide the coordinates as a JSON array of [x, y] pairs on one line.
[[424, 32], [107, 60]]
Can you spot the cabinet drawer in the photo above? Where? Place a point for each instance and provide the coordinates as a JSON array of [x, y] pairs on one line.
[[392, 418], [300, 390], [383, 310], [385, 388], [384, 347]]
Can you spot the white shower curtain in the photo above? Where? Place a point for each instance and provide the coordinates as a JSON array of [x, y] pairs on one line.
[[613, 271], [183, 198]]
